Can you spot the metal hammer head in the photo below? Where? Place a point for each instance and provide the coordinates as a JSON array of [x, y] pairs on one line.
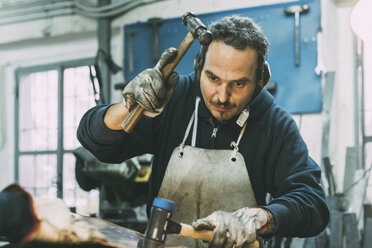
[[156, 232], [300, 9], [197, 28], [155, 21]]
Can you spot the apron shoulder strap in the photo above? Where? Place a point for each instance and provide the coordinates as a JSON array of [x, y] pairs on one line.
[[194, 118]]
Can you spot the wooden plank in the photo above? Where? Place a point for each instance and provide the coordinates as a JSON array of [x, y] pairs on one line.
[[351, 166], [351, 230], [336, 229], [367, 241]]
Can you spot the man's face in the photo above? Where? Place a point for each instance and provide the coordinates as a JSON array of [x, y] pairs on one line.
[[228, 79]]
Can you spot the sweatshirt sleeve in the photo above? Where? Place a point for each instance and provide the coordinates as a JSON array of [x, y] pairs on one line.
[[17, 216], [113, 146], [299, 205]]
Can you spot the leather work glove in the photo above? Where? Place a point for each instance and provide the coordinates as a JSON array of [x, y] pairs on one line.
[[236, 229], [42, 220], [148, 88]]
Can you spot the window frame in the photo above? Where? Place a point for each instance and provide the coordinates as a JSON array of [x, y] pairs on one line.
[[60, 151], [365, 139]]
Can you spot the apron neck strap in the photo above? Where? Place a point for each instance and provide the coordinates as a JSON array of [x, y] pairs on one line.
[[194, 118], [241, 133], [235, 145], [194, 131]]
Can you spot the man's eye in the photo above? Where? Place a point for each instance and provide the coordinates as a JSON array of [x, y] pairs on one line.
[[213, 78], [239, 84]]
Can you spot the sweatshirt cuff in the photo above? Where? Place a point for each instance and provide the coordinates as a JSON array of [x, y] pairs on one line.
[[284, 218], [104, 133]]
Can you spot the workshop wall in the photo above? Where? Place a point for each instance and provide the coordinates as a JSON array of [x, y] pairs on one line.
[[340, 57], [6, 142], [74, 37], [296, 84]]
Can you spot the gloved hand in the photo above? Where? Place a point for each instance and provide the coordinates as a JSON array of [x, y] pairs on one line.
[[236, 229], [148, 88], [44, 220]]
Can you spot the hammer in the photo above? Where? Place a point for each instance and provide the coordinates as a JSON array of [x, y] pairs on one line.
[[296, 10], [197, 30], [160, 225]]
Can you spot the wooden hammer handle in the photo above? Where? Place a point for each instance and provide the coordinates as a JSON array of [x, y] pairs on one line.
[[189, 231], [206, 235], [137, 112]]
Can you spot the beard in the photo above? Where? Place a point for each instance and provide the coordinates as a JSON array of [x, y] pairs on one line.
[[220, 119], [227, 104]]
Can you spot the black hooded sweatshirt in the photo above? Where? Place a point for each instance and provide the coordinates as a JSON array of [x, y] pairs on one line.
[[275, 154]]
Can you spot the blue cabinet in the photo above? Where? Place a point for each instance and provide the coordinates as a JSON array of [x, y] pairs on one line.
[[298, 87]]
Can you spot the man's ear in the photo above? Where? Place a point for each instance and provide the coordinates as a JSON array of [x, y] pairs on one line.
[[199, 62], [266, 74]]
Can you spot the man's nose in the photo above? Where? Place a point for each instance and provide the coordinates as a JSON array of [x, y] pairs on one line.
[[223, 93]]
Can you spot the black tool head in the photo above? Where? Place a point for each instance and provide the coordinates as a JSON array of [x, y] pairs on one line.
[[156, 232], [197, 28], [301, 9]]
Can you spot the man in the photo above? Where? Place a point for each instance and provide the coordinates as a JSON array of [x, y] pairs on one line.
[[220, 143]]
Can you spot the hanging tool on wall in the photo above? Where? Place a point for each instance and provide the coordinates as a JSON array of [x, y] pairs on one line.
[[95, 72], [130, 51], [155, 23], [197, 30], [296, 11]]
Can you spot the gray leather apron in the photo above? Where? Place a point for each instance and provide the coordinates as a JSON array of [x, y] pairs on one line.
[[202, 181]]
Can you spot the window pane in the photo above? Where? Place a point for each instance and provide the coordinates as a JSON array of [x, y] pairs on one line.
[[368, 155], [368, 122], [86, 203], [368, 76], [38, 108], [368, 164], [368, 90], [78, 98], [37, 173]]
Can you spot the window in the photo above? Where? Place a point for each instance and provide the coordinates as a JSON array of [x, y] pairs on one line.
[[367, 114], [49, 105], [367, 103]]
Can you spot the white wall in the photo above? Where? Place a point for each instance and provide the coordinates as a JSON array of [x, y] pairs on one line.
[[74, 37], [340, 57]]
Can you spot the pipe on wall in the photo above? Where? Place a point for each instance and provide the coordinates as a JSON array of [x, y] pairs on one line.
[[35, 10], [2, 110]]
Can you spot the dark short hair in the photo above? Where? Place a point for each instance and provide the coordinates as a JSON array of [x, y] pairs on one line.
[[240, 33]]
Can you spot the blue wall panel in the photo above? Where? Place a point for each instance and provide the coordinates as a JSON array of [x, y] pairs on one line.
[[298, 88]]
